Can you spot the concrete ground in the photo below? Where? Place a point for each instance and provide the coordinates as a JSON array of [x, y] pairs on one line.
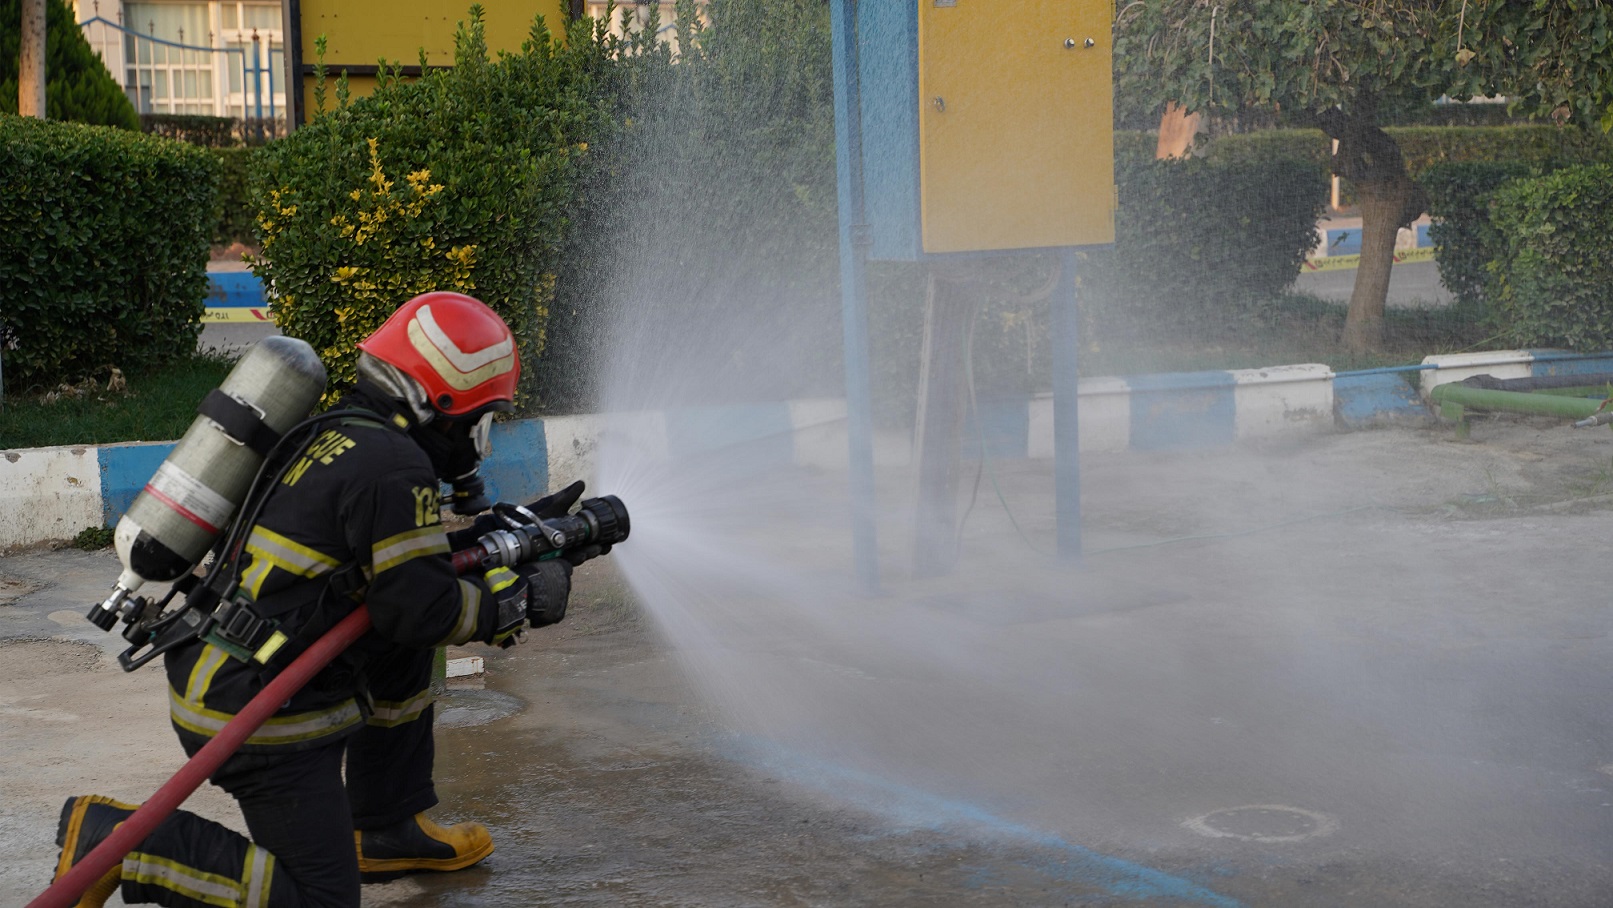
[[1354, 669]]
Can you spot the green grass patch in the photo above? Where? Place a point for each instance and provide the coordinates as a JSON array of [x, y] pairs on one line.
[[92, 539], [154, 406]]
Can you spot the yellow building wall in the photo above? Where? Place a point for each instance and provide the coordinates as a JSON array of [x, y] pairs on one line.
[[360, 33]]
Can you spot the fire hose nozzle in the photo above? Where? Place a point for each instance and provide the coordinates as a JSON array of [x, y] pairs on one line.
[[599, 521]]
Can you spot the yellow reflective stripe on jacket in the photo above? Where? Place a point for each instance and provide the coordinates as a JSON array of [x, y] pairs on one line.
[[256, 876], [207, 888], [470, 608], [390, 714], [292, 729], [271, 550], [395, 550], [201, 674]]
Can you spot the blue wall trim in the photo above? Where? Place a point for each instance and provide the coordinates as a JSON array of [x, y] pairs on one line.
[[518, 469], [1360, 399], [240, 289], [1182, 410], [125, 470], [1553, 362]]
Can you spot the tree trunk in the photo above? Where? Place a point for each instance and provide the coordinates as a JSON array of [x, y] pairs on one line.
[[1389, 200], [1382, 203], [31, 60]]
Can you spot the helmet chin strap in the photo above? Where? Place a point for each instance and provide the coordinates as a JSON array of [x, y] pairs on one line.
[[397, 384]]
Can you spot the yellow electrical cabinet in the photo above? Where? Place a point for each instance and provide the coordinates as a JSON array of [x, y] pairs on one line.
[[1016, 146], [986, 125]]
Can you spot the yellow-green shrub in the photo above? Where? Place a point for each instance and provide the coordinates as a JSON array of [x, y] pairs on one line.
[[460, 180]]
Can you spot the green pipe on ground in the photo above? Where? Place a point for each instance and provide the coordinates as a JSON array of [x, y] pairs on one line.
[[1514, 401]]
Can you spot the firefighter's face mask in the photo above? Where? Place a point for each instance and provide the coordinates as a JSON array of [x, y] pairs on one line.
[[456, 448]]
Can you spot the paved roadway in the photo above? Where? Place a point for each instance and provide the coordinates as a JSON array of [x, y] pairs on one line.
[[1411, 284]]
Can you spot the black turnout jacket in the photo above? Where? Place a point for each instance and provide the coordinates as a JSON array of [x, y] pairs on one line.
[[360, 498]]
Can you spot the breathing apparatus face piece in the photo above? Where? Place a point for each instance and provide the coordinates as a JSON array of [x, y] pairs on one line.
[[456, 448], [455, 445]]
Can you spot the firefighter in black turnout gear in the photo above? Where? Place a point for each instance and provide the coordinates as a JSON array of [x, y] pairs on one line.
[[355, 518]]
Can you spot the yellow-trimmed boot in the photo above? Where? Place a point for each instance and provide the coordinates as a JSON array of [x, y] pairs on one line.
[[86, 821], [418, 844]]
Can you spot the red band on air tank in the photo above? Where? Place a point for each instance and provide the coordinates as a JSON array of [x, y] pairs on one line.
[[179, 509]]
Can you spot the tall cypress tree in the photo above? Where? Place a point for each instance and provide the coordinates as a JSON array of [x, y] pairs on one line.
[[77, 84]]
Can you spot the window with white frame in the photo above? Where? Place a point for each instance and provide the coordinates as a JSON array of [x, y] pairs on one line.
[[200, 57]]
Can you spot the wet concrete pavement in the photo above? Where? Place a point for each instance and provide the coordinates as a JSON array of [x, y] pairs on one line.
[[1358, 669]]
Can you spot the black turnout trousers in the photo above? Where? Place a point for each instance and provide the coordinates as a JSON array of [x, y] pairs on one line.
[[299, 810]]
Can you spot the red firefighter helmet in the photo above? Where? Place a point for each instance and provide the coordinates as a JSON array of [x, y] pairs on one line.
[[457, 348]]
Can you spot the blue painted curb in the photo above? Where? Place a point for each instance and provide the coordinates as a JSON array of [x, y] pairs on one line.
[[1182, 410], [125, 469], [1360, 400], [518, 468]]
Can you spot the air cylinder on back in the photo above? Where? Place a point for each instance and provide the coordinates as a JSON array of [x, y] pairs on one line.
[[190, 499]]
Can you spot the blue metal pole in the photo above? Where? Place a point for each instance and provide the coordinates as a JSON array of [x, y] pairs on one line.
[[1066, 409], [854, 289]]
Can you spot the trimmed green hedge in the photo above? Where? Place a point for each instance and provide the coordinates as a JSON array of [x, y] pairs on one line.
[[103, 249], [1555, 271], [1465, 240], [1202, 239], [235, 218], [209, 132]]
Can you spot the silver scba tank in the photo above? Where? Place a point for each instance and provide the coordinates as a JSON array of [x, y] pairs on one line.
[[192, 496]]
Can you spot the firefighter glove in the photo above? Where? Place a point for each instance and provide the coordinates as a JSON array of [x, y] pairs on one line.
[[550, 585], [510, 595], [558, 504]]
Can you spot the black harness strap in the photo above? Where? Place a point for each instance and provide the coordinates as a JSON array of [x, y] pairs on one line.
[[239, 421]]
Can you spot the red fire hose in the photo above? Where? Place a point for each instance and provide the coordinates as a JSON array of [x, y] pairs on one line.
[[131, 832]]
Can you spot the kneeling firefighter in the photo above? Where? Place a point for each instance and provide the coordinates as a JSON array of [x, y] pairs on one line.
[[354, 517]]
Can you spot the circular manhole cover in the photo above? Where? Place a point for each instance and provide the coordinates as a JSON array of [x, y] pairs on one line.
[[1263, 823]]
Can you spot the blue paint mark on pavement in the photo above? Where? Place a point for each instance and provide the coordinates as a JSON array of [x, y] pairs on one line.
[[1117, 877]]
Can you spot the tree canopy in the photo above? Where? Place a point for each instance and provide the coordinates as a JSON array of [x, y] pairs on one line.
[[1341, 65]]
